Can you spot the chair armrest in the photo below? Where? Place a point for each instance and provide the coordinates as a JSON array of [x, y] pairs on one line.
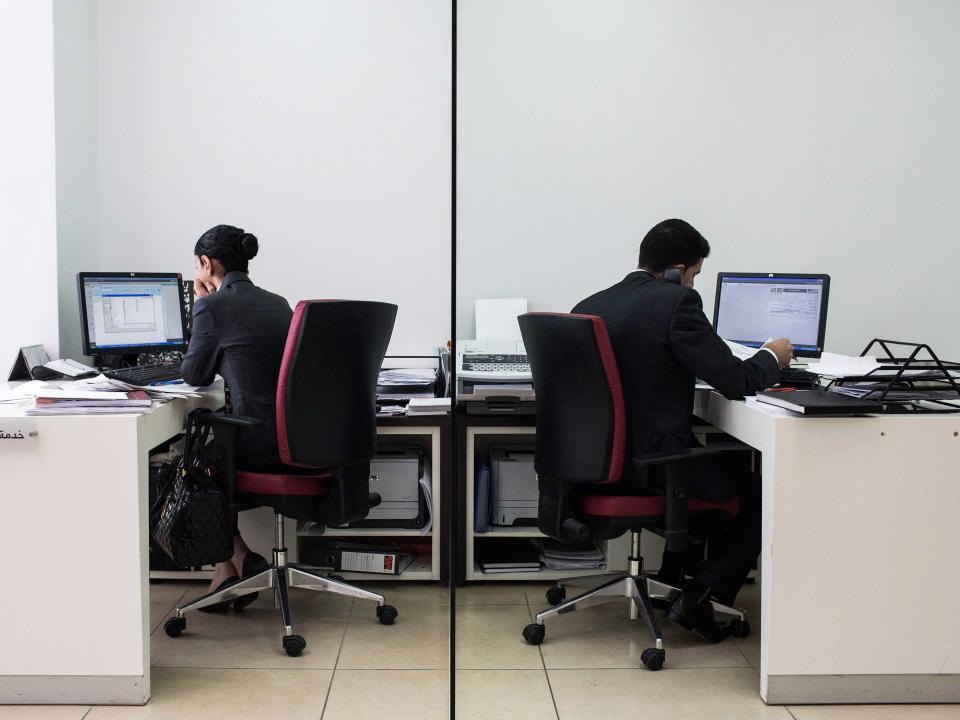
[[223, 419], [676, 473], [674, 456]]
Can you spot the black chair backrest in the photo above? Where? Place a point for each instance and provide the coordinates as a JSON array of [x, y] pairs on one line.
[[580, 410], [327, 393]]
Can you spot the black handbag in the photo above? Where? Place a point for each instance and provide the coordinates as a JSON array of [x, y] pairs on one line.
[[189, 520]]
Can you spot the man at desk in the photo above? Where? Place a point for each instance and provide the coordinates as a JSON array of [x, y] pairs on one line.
[[663, 342]]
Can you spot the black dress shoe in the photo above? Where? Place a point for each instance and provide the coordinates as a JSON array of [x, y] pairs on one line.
[[253, 564], [221, 606], [693, 611]]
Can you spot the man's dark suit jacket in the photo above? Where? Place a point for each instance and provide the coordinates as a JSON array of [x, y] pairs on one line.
[[240, 332], [663, 342]]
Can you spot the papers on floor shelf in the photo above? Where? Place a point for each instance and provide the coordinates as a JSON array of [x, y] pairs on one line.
[[428, 406], [837, 365], [555, 556]]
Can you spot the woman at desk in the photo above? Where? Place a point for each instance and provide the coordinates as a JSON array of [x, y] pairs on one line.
[[239, 332]]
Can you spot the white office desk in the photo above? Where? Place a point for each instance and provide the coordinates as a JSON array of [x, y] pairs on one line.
[[860, 567], [74, 595]]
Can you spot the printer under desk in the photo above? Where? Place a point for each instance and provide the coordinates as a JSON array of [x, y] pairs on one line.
[[396, 474], [514, 494]]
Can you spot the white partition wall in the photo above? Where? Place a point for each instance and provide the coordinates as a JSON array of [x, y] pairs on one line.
[[321, 127], [28, 204], [798, 137]]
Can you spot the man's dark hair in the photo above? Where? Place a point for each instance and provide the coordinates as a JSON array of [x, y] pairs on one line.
[[672, 242], [233, 247]]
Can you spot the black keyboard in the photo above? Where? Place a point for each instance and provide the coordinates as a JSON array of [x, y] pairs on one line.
[[795, 376], [146, 374]]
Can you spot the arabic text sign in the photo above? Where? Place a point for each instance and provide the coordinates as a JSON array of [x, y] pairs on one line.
[[17, 432]]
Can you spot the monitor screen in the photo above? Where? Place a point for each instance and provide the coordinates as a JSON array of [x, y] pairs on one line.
[[131, 312], [752, 308]]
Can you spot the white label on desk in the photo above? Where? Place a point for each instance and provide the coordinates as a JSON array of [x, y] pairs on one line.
[[17, 432]]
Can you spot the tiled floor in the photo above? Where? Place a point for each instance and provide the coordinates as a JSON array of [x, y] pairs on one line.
[[231, 665]]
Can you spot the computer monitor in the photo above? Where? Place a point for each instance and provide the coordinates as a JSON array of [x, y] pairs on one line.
[[130, 313], [752, 308]]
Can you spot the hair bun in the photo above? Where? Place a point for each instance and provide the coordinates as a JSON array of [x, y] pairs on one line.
[[249, 246]]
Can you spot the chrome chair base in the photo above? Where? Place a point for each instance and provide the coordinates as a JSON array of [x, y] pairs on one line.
[[281, 577], [640, 589]]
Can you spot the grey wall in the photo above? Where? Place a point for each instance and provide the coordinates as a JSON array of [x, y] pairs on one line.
[[75, 83], [322, 127], [798, 137]]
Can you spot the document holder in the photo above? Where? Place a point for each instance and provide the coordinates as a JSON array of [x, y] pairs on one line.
[[915, 380]]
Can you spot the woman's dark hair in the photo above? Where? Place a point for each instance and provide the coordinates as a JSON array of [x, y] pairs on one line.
[[229, 245], [672, 242]]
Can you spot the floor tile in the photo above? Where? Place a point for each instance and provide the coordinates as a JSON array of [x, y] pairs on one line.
[[876, 712], [711, 694], [489, 638], [418, 640], [378, 694], [252, 638], [496, 593], [169, 591], [179, 693], [604, 637], [504, 695], [43, 712], [400, 594]]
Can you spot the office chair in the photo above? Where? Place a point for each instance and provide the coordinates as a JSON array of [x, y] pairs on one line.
[[580, 452], [326, 430]]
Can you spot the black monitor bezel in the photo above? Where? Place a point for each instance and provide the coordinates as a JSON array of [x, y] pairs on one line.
[[821, 330], [133, 349]]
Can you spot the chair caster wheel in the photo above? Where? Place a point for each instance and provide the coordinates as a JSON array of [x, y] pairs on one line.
[[740, 628], [386, 614], [174, 626], [653, 658], [556, 595], [293, 645], [534, 633], [336, 578]]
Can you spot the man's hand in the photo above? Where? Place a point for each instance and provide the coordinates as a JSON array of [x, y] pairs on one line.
[[202, 289], [783, 350]]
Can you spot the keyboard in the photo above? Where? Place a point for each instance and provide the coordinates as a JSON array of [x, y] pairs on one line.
[[796, 376], [146, 374]]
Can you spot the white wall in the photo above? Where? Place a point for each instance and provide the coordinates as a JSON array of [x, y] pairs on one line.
[[321, 127], [75, 82], [28, 223], [797, 137]]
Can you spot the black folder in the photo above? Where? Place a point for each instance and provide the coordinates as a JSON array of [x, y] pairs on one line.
[[819, 402]]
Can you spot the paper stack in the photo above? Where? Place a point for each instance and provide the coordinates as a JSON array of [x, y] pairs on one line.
[[53, 401], [405, 383], [428, 406], [585, 556]]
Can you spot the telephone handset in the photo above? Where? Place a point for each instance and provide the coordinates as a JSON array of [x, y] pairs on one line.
[[674, 275]]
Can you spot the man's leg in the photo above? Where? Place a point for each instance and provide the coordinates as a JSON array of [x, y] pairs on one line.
[[730, 557], [728, 565]]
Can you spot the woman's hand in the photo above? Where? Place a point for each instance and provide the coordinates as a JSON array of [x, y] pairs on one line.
[[202, 288]]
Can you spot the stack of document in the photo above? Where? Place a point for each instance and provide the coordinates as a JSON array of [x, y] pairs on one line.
[[585, 556], [840, 366], [428, 406], [88, 402], [403, 383], [507, 555]]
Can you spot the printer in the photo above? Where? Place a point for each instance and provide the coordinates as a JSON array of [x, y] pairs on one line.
[[395, 475], [514, 491]]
